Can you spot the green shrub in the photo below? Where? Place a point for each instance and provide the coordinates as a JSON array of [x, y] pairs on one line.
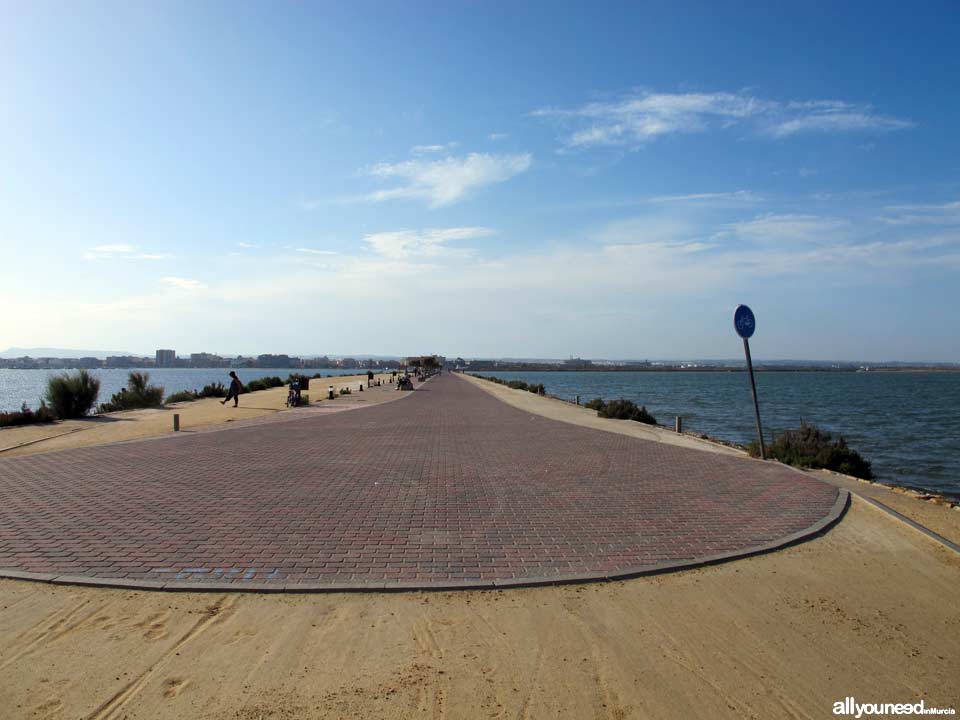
[[516, 385], [264, 383], [216, 390], [621, 410], [809, 446], [345, 391], [537, 389], [138, 394], [26, 416], [72, 396], [182, 396], [304, 399], [626, 410]]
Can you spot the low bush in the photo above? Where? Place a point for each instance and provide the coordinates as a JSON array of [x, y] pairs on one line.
[[264, 383], [809, 446], [595, 404], [535, 388], [138, 394], [72, 396], [182, 396], [26, 416], [345, 391], [304, 399], [215, 390], [621, 410]]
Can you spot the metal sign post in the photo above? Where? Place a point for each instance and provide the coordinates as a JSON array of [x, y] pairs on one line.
[[745, 323]]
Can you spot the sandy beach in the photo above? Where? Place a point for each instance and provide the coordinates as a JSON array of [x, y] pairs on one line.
[[870, 609]]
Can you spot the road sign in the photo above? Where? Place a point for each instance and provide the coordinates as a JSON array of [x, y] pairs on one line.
[[744, 322]]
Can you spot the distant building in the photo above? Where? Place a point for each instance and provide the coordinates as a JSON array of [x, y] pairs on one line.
[[166, 358], [276, 361], [208, 360], [125, 361]]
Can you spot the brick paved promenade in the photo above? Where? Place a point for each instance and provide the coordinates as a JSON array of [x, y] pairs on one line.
[[447, 487]]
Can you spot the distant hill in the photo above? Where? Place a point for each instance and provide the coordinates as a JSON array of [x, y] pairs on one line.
[[16, 352]]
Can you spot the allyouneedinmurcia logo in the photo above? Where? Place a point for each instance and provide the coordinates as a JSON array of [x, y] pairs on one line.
[[849, 706]]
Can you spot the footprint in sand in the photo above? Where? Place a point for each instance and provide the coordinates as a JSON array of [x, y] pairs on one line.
[[155, 626], [174, 686]]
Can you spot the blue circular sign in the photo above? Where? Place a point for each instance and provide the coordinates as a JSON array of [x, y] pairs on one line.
[[744, 322]]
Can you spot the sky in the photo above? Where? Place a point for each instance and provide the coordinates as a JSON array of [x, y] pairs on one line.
[[483, 179]]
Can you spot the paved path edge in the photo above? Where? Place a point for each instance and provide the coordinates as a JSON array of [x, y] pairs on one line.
[[820, 527]]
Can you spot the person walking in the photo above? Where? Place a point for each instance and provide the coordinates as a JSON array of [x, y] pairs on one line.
[[234, 392]]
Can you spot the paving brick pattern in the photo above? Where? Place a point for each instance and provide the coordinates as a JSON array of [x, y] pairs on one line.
[[449, 486]]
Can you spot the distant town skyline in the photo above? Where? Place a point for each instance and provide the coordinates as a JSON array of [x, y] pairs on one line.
[[537, 180]]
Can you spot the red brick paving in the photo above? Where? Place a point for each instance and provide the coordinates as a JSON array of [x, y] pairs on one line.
[[450, 486]]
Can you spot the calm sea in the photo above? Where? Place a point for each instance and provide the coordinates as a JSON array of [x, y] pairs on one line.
[[27, 386], [906, 424]]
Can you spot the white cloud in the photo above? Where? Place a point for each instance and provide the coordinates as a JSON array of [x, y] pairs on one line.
[[788, 228], [639, 118], [403, 244], [432, 149], [245, 245], [441, 182], [121, 251], [929, 214], [498, 136], [183, 283], [312, 251], [738, 196]]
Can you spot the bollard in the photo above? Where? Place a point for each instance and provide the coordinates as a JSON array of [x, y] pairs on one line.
[[361, 387], [679, 425], [176, 422], [330, 393], [578, 399]]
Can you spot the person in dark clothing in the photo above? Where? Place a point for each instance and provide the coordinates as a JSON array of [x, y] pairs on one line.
[[234, 392]]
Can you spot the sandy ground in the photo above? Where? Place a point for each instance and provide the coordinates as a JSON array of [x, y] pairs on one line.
[[869, 610], [932, 513], [135, 424]]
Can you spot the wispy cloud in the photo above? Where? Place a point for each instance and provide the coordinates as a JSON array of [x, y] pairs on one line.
[[245, 245], [737, 196], [640, 118], [183, 283], [929, 214], [432, 243], [441, 182], [432, 149], [312, 251], [121, 251], [498, 136], [778, 229]]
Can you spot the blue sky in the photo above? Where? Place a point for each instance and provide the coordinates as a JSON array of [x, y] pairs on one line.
[[482, 179]]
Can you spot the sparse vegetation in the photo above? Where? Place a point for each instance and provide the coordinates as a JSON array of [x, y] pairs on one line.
[[216, 390], [72, 396], [182, 396], [621, 410], [535, 388], [264, 383], [26, 416], [345, 391], [138, 394], [809, 446]]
